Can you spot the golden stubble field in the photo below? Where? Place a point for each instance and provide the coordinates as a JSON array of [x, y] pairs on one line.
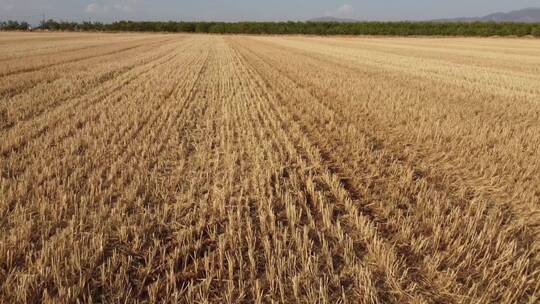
[[243, 169]]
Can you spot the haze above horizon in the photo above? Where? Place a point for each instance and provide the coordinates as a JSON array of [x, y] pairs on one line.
[[244, 10]]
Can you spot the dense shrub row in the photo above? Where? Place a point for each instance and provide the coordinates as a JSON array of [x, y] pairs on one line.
[[11, 25], [311, 28]]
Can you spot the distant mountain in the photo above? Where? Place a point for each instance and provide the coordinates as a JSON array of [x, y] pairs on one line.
[[525, 15], [531, 15], [332, 19]]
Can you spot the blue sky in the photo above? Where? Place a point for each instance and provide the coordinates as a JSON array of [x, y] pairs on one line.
[[235, 10]]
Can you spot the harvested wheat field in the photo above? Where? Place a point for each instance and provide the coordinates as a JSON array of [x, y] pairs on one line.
[[259, 169]]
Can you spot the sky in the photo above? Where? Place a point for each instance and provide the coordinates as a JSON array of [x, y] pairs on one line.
[[252, 10]]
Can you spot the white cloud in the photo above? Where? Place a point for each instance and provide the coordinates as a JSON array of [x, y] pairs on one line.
[[345, 10], [122, 6], [97, 8]]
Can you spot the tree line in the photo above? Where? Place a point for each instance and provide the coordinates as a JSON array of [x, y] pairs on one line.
[[304, 28], [12, 25]]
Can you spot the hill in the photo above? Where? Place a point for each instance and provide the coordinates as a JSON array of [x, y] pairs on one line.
[[531, 15], [332, 19]]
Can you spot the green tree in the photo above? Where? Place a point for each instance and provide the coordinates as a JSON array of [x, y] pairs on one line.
[[536, 31]]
